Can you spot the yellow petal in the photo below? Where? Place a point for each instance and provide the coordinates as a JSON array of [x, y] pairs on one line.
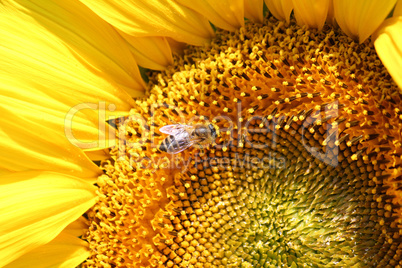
[[67, 52], [4, 171], [29, 145], [65, 251], [280, 9], [43, 79], [77, 228], [154, 18], [36, 206], [84, 122], [360, 18], [387, 42], [253, 10], [312, 13], [225, 14], [331, 15], [98, 155], [150, 52], [398, 9], [175, 46]]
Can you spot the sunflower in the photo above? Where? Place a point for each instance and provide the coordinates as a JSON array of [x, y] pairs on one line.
[[304, 169]]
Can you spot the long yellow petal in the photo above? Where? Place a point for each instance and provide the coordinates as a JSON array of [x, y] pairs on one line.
[[65, 251], [36, 206], [66, 51], [175, 46], [360, 18], [98, 155], [84, 121], [312, 13], [225, 14], [253, 10], [28, 145], [42, 76], [280, 9], [150, 51], [77, 228], [4, 171], [387, 42], [154, 18], [331, 15], [398, 9]]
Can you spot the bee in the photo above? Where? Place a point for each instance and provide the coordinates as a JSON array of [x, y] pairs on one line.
[[184, 136]]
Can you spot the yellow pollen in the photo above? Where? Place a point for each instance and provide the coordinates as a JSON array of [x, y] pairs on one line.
[[304, 170]]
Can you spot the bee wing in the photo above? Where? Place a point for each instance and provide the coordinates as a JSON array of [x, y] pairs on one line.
[[179, 142], [173, 129]]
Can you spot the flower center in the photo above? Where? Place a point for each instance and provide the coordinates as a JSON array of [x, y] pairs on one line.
[[305, 169]]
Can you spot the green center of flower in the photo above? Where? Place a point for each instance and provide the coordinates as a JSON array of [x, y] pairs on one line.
[[304, 171]]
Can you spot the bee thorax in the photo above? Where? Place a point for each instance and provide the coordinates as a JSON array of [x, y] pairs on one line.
[[182, 137]]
